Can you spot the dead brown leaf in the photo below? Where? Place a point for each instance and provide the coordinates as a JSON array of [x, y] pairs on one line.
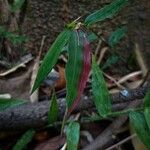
[[52, 144], [61, 82], [17, 86]]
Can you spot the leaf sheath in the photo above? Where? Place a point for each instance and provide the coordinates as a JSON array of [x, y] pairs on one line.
[[74, 66], [85, 72]]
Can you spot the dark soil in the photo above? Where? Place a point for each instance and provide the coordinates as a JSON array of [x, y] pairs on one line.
[[48, 18]]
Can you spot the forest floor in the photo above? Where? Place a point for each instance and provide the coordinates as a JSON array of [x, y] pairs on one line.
[[44, 21]]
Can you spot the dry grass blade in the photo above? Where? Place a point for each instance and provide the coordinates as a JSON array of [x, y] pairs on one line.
[[98, 47], [145, 78], [112, 79], [121, 142], [140, 59], [103, 51], [6, 96], [129, 76], [106, 136], [64, 147], [22, 64], [34, 96]]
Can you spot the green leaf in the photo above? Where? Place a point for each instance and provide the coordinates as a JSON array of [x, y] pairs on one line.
[[100, 91], [7, 103], [24, 140], [53, 112], [147, 116], [106, 12], [116, 36], [92, 37], [17, 4], [74, 67], [73, 134], [2, 31], [147, 108], [14, 38], [147, 99], [51, 57], [110, 61], [139, 124]]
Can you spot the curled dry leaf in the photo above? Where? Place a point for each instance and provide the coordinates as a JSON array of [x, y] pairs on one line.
[[41, 136], [61, 82], [53, 144]]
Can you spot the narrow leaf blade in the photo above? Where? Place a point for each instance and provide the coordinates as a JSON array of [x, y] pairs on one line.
[[147, 99], [24, 140], [110, 61], [51, 57], [17, 4], [74, 67], [73, 134], [53, 112], [116, 36], [147, 116], [7, 103], [100, 91], [139, 124], [92, 37], [106, 12], [84, 72], [147, 108]]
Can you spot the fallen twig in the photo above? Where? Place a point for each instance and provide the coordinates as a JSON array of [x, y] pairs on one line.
[[4, 64], [34, 96], [106, 136], [122, 142], [21, 65], [140, 59], [35, 115]]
